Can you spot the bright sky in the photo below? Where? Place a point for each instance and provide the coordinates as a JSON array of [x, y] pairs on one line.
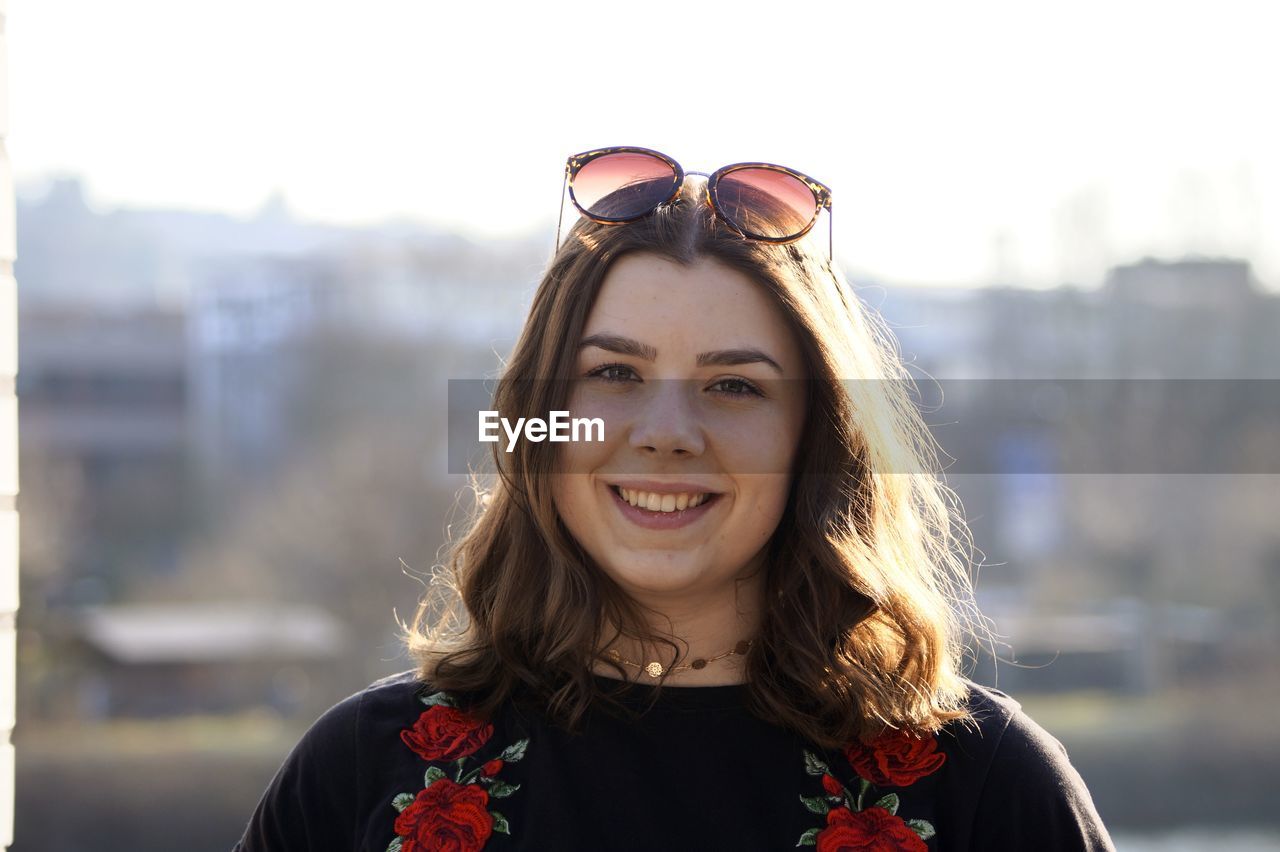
[[961, 140]]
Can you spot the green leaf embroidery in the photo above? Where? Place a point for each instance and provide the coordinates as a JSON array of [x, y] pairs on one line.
[[921, 827], [809, 838], [434, 773], [402, 801], [862, 791], [437, 698], [814, 765], [514, 752], [501, 789], [500, 823], [889, 803], [394, 845], [817, 804]]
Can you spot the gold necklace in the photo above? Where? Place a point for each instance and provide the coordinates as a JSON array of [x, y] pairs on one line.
[[655, 669]]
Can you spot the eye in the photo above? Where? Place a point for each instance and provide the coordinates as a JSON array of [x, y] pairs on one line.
[[612, 373], [624, 374], [740, 387]]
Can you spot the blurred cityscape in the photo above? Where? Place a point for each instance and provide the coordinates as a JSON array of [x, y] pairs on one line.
[[234, 480]]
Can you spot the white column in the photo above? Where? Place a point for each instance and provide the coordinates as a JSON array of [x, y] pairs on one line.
[[8, 449]]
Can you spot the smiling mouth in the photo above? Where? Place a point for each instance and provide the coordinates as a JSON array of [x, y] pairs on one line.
[[651, 501]]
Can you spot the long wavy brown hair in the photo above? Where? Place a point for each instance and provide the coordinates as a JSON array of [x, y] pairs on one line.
[[868, 600]]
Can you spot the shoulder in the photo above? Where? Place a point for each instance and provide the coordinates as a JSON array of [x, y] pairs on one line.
[[991, 714], [309, 802], [1019, 781], [389, 699], [386, 703], [999, 729], [1009, 744]]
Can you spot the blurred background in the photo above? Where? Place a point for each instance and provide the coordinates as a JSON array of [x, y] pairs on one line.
[[256, 240]]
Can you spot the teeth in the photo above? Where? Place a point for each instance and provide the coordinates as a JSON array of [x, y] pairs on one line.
[[662, 502]]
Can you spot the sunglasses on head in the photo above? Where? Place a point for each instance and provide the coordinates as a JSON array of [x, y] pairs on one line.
[[761, 201]]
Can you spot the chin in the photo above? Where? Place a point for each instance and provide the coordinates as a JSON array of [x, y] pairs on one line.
[[656, 575]]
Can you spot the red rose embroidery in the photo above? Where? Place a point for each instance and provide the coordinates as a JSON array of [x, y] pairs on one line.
[[871, 830], [832, 786], [491, 768], [447, 817], [895, 758], [445, 733]]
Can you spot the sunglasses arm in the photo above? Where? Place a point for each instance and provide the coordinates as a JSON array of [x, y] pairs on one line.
[[560, 218]]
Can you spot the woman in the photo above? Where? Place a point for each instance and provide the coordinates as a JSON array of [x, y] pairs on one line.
[[735, 621]]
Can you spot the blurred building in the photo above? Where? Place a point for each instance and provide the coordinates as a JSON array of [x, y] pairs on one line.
[[1123, 582], [1194, 318], [170, 660], [104, 396], [280, 344]]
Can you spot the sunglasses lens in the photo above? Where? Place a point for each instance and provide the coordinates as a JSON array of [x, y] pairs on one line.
[[623, 185], [766, 203]]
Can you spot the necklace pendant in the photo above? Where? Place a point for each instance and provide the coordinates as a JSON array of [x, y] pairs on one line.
[[653, 670]]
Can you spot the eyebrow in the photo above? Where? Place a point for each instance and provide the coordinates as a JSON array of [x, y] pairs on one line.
[[719, 357]]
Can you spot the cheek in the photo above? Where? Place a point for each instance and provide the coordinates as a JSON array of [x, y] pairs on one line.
[[587, 456], [763, 502], [579, 459], [772, 501], [764, 446], [569, 493]]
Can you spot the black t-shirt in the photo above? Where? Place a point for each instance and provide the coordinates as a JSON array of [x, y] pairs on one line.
[[399, 766]]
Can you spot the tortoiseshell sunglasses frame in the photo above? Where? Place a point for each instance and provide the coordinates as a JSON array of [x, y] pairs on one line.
[[821, 193]]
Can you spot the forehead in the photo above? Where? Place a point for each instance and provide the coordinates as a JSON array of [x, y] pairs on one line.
[[654, 299]]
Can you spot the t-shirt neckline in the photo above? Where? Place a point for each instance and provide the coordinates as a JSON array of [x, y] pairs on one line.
[[692, 696]]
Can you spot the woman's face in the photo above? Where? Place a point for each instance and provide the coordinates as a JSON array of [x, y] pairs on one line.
[[695, 375]]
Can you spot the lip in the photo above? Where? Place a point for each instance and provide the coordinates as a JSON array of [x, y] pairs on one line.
[[663, 520], [663, 487]]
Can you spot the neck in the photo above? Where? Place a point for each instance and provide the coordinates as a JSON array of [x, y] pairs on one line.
[[707, 627]]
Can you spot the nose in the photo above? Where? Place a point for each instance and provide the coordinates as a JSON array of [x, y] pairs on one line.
[[669, 424]]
